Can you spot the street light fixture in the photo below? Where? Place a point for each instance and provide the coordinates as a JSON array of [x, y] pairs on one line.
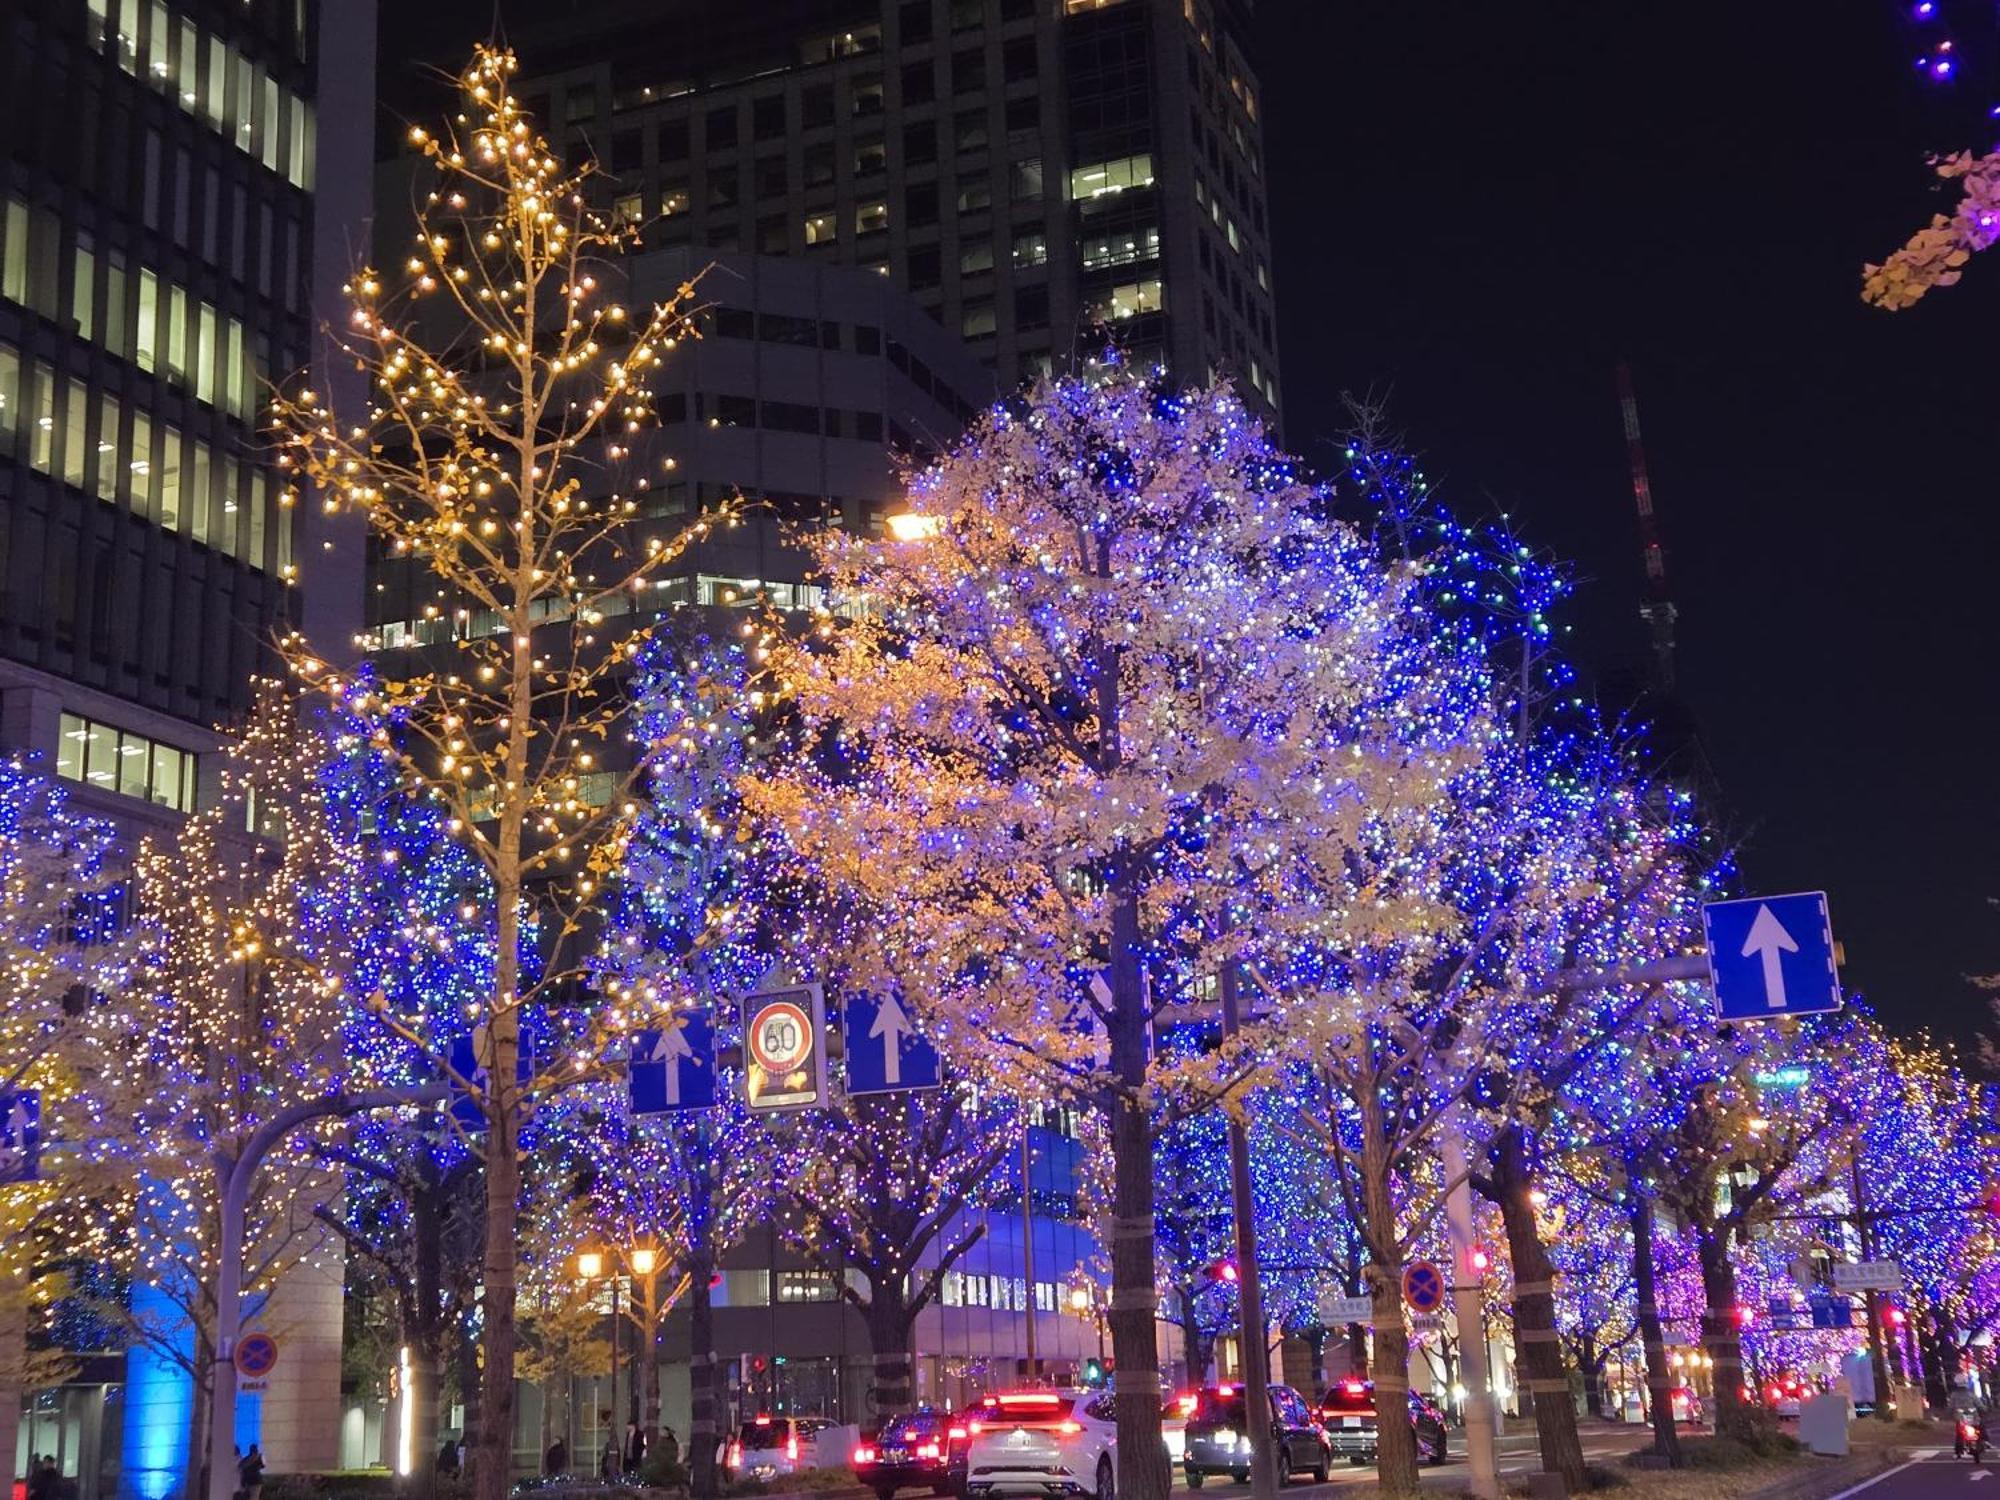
[[908, 526], [590, 1264]]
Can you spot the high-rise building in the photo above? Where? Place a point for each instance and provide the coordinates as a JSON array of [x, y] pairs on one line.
[[1031, 171], [179, 180]]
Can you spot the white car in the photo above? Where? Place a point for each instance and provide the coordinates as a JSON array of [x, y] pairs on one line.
[[766, 1447], [1042, 1442]]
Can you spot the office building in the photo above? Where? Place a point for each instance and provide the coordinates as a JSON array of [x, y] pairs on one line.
[[1032, 172], [178, 179]]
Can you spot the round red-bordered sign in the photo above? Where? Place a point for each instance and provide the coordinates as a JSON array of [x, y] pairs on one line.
[[255, 1354], [781, 1037], [1423, 1286]]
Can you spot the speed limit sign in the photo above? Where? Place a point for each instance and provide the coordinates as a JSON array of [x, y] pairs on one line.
[[784, 1036]]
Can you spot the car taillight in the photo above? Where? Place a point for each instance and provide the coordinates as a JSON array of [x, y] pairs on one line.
[[735, 1458], [909, 1434], [864, 1455], [975, 1427], [792, 1446], [1188, 1401], [1069, 1427], [927, 1450], [956, 1433]]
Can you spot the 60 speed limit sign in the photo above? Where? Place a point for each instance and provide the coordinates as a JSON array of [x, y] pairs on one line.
[[784, 1034]]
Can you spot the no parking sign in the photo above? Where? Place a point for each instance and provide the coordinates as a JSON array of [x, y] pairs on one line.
[[255, 1357], [1423, 1286]]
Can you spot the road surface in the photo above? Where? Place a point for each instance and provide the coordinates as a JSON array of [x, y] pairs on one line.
[[1937, 1476], [1603, 1443]]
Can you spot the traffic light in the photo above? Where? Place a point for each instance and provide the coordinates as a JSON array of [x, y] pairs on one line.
[[1477, 1260], [1745, 1316], [1223, 1271], [1894, 1315], [1093, 1374]]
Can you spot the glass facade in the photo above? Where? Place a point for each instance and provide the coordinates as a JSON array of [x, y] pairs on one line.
[[117, 760]]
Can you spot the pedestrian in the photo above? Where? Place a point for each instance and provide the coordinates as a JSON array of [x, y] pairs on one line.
[[670, 1447], [608, 1464], [251, 1473], [556, 1461], [447, 1460], [635, 1447], [43, 1479]]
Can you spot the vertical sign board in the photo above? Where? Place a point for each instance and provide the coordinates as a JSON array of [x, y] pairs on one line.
[[784, 1048], [885, 1052], [1771, 956], [20, 1136], [468, 1108], [673, 1069]]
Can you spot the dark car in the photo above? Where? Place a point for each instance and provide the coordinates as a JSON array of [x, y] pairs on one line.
[[1218, 1436], [1347, 1412], [923, 1448]]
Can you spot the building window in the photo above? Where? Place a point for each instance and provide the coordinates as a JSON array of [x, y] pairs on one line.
[[673, 200], [976, 256], [919, 143], [1122, 248], [721, 127], [806, 1286], [870, 157], [1024, 179], [977, 321], [1127, 300], [871, 217], [867, 97], [821, 229], [968, 72], [914, 21], [969, 130], [1114, 176], [951, 1289], [767, 117], [1031, 247], [673, 140], [118, 760], [919, 83], [974, 196], [1031, 308], [628, 208]]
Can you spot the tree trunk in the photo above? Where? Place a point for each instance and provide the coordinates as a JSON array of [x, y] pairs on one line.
[[1592, 1370], [468, 1387], [1720, 1336], [649, 1367], [1395, 1438], [1535, 1338], [704, 1400], [1646, 1286], [423, 1334], [889, 1323], [1143, 1472], [492, 1469]]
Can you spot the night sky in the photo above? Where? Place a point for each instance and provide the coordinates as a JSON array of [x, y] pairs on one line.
[[1479, 207]]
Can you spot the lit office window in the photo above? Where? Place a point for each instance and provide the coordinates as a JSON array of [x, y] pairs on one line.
[[117, 760], [1115, 176]]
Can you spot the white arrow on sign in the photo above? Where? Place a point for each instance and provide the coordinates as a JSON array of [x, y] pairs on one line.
[[670, 1049], [892, 1026], [1767, 939]]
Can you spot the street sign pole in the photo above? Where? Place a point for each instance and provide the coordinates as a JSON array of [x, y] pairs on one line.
[[1249, 1280], [1467, 1300], [1870, 1299]]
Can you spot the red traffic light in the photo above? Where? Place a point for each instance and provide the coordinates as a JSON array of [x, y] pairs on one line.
[[1222, 1270], [1477, 1258], [1745, 1316], [1895, 1317]]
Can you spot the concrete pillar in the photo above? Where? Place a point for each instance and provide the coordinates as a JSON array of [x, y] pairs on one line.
[[301, 1405]]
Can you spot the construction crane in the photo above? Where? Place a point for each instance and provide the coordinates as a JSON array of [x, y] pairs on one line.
[[1657, 608]]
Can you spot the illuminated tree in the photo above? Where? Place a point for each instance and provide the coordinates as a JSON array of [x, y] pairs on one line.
[[1080, 714], [892, 1187], [1937, 254], [66, 971], [235, 1014], [496, 448]]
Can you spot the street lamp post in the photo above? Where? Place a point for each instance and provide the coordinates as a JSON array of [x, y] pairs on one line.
[[590, 1265], [645, 1262]]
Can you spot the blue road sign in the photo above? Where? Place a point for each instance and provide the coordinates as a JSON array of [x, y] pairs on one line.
[[673, 1069], [885, 1051], [1771, 956], [1835, 1312], [21, 1136], [469, 1109]]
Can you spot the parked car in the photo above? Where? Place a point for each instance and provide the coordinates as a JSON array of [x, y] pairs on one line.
[[1686, 1405], [1218, 1436], [1785, 1395], [1042, 1442], [766, 1446], [1347, 1412], [923, 1448]]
